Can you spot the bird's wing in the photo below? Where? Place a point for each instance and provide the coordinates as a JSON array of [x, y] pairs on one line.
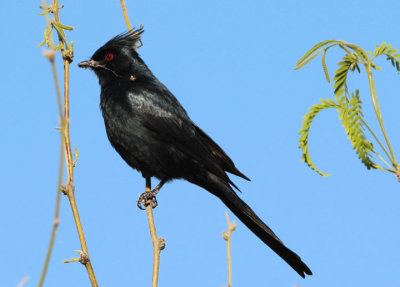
[[169, 121], [225, 161], [182, 135]]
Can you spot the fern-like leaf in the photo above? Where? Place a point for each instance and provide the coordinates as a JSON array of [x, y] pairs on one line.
[[394, 59], [352, 120], [349, 106], [359, 52], [305, 129], [350, 62], [392, 55], [312, 53]]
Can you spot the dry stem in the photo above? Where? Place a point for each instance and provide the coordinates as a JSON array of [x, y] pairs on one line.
[[69, 186], [158, 242], [23, 281], [70, 192], [227, 238], [128, 24], [56, 221]]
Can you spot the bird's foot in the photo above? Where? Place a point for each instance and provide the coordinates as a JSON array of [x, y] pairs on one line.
[[148, 198]]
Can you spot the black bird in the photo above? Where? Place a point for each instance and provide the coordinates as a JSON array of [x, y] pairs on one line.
[[152, 132]]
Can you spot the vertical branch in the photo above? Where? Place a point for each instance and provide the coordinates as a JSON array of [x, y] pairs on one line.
[[227, 237], [68, 188], [50, 56], [67, 140], [56, 219], [128, 24], [158, 243]]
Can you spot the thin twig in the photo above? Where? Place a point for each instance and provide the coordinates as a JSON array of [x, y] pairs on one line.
[[378, 113], [23, 281], [84, 255], [69, 186], [70, 192], [227, 237], [378, 141], [56, 220], [158, 242], [128, 24]]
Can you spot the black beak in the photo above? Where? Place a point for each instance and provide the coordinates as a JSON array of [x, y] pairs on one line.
[[88, 64]]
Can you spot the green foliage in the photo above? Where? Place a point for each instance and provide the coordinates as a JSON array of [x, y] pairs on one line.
[[304, 132], [391, 54], [352, 120], [47, 9], [349, 105]]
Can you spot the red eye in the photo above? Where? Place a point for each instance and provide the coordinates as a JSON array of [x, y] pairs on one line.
[[109, 56]]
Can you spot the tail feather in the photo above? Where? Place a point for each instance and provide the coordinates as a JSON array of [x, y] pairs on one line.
[[223, 191]]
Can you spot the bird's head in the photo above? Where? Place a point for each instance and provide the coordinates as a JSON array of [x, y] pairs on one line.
[[117, 59]]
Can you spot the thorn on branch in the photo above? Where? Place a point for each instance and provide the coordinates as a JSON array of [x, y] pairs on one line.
[[67, 188], [64, 188], [83, 258], [161, 243], [69, 57]]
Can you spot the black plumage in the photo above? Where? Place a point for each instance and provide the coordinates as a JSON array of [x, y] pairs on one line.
[[152, 132]]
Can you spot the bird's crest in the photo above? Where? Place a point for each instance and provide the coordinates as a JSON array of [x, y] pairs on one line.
[[128, 38]]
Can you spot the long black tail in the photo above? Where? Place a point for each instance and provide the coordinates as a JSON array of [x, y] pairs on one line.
[[223, 191]]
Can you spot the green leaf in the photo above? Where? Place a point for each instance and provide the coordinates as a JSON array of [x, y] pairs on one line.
[[381, 48], [360, 52], [305, 129], [351, 117], [70, 28], [386, 49], [324, 67], [300, 63]]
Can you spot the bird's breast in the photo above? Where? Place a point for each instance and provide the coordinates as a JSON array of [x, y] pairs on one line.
[[142, 148]]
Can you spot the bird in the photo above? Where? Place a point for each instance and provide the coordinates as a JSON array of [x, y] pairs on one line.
[[152, 132]]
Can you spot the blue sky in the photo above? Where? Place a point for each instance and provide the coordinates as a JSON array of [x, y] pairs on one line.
[[230, 63]]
